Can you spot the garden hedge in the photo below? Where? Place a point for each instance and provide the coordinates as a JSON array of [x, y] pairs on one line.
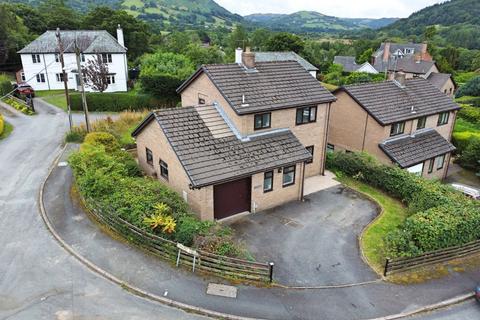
[[120, 101], [440, 216], [111, 177]]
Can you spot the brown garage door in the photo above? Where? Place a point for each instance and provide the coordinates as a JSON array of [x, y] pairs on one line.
[[231, 198]]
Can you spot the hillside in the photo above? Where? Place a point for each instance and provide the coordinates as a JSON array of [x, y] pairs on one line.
[[457, 21], [311, 21]]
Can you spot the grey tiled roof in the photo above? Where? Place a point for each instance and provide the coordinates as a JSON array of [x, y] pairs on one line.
[[407, 64], [407, 151], [271, 56], [209, 160], [270, 86], [439, 79], [89, 41], [399, 46], [388, 103], [348, 63]]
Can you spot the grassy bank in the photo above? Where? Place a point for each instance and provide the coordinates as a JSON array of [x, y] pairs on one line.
[[393, 215], [7, 129]]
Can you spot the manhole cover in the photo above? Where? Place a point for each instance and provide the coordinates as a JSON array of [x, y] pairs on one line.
[[62, 164], [221, 290]]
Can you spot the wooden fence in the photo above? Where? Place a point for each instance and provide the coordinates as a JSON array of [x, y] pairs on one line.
[[195, 259], [429, 258]]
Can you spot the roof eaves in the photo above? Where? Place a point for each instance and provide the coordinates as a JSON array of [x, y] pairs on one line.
[[143, 124]]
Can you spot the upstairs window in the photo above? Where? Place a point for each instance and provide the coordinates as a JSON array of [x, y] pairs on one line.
[[310, 149], [443, 118], [409, 51], [397, 128], [306, 115], [421, 122], [163, 169], [288, 176], [36, 58], [106, 58], [268, 181], [262, 121], [440, 161], [149, 156]]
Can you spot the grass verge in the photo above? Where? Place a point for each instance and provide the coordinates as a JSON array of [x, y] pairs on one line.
[[392, 216], [7, 129]]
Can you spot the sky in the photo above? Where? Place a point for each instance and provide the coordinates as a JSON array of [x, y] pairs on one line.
[[338, 8]]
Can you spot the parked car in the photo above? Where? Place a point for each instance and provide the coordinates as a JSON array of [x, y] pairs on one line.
[[23, 88], [467, 190], [477, 293]]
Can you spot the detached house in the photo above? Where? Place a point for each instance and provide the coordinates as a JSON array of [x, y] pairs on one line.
[[247, 137], [41, 59], [408, 123]]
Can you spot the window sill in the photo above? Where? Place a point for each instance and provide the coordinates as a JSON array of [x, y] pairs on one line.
[[303, 123], [267, 191], [288, 185]]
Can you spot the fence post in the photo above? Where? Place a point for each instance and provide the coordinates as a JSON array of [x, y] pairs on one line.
[[270, 273], [385, 271]]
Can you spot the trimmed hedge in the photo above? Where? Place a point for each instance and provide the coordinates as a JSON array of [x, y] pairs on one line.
[[120, 101], [474, 101], [440, 216], [470, 113], [5, 85]]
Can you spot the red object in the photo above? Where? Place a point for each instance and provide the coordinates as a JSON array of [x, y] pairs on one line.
[[25, 89]]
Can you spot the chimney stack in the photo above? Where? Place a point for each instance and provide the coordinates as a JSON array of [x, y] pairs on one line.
[[238, 55], [248, 58], [386, 51], [400, 79], [120, 39]]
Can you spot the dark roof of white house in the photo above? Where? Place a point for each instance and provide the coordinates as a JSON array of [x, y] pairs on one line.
[[388, 102], [209, 160], [409, 150], [271, 56], [348, 63], [88, 41], [269, 86]]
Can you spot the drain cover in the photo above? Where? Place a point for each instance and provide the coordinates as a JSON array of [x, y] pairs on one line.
[[62, 164], [221, 290]]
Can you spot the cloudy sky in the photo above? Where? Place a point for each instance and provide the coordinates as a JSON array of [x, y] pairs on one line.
[[338, 8]]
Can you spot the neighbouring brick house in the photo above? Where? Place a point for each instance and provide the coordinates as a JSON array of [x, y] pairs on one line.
[[248, 135], [404, 122]]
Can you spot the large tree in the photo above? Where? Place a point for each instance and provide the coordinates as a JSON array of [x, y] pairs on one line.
[[285, 41], [13, 35], [96, 74], [136, 32]]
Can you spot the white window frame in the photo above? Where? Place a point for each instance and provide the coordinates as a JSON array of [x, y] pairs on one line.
[[36, 58], [40, 77]]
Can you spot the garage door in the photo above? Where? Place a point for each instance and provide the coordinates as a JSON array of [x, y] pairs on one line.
[[231, 198]]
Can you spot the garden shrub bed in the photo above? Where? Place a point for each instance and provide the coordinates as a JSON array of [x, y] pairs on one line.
[[111, 177], [439, 217], [120, 101], [23, 108]]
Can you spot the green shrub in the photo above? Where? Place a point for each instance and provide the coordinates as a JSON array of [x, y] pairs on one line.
[[2, 124], [121, 101], [440, 217], [5, 85], [461, 140], [102, 138], [469, 113], [471, 88], [474, 101], [470, 156]]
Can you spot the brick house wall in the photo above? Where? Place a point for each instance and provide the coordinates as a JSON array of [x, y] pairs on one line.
[[311, 134], [352, 128]]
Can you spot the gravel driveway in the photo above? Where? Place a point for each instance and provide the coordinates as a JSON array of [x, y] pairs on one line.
[[312, 243]]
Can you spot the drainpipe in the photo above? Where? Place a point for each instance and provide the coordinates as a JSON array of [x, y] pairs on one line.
[[325, 142], [365, 133], [302, 186]]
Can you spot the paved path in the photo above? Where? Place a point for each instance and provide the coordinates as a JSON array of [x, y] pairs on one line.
[[156, 276], [38, 279]]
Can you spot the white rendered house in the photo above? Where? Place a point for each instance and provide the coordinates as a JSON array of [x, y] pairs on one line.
[[41, 61]]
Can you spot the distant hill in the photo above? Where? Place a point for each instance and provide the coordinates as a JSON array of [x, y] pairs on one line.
[[456, 21], [311, 21]]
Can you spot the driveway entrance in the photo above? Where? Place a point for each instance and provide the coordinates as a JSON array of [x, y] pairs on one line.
[[313, 242]]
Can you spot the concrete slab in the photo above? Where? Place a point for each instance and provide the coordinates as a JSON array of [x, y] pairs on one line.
[[221, 290], [319, 183]]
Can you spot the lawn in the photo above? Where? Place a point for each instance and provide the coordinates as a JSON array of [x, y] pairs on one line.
[[55, 97], [7, 129], [462, 125], [393, 215]]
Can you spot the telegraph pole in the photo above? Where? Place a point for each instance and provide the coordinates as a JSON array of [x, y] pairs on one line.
[[82, 85], [65, 80]]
